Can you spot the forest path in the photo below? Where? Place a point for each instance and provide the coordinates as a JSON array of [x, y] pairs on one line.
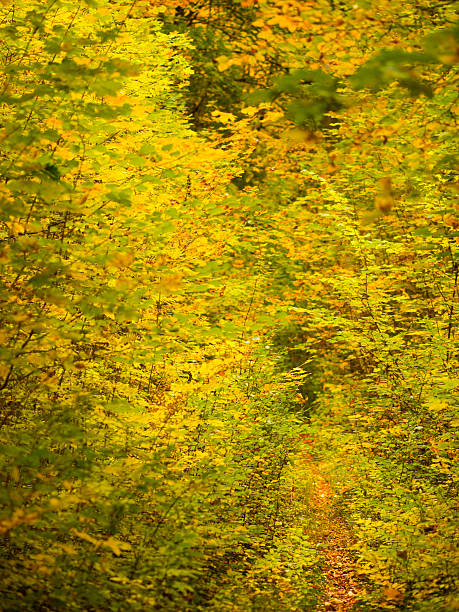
[[342, 586]]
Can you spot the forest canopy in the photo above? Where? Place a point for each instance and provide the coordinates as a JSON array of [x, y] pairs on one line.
[[229, 305]]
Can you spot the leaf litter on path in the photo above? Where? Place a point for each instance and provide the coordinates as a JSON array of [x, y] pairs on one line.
[[331, 531]]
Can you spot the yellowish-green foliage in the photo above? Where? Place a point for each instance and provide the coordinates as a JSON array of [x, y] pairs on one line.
[[221, 224], [352, 142], [146, 438]]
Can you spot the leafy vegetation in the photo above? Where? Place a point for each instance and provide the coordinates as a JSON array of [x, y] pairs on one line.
[[228, 244]]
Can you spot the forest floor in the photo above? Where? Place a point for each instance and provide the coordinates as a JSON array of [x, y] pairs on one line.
[[331, 531]]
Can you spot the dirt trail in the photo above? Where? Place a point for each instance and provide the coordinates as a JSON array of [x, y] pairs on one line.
[[342, 586]]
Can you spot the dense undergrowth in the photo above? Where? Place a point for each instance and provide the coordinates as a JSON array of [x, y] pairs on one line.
[[226, 227]]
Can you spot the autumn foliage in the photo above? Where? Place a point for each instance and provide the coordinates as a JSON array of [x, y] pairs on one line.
[[228, 241]]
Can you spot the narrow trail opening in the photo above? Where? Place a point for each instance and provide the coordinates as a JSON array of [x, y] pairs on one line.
[[330, 531]]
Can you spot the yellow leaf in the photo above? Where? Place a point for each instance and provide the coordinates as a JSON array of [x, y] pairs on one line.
[[393, 594], [223, 117], [116, 546], [436, 405], [122, 260], [53, 122], [171, 282], [384, 203], [85, 536]]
